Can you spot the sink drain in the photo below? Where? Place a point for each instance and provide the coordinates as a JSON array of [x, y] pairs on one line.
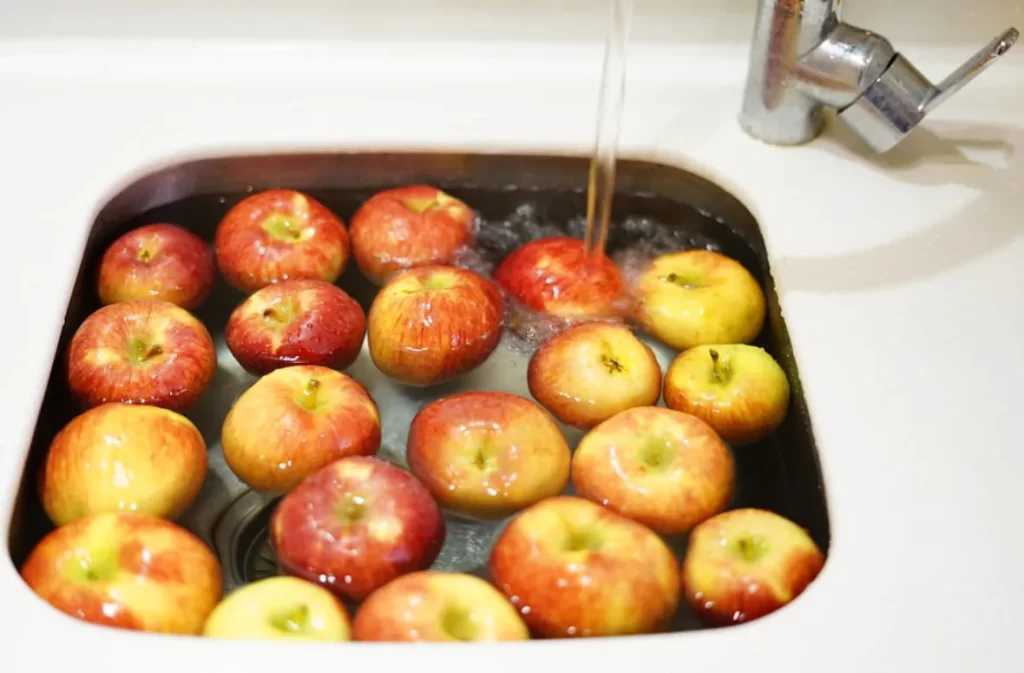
[[242, 541]]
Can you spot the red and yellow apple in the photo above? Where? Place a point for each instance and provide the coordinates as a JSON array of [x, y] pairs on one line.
[[575, 569], [746, 563], [280, 234], [487, 454], [434, 606], [556, 276], [356, 525], [592, 371], [665, 469], [147, 351], [129, 571], [400, 228], [280, 608], [157, 261], [294, 421], [697, 297], [739, 390], [296, 322], [123, 457], [433, 323]]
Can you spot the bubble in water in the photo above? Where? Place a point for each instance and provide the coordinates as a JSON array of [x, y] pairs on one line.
[[528, 329], [467, 545]]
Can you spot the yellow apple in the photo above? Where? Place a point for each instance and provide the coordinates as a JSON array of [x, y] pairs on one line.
[[694, 297], [666, 469], [279, 608], [739, 390], [123, 457], [438, 606]]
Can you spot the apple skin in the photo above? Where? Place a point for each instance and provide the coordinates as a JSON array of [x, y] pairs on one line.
[[157, 261], [663, 468], [592, 371], [744, 396], [746, 563], [696, 297], [575, 569], [433, 323], [434, 606], [400, 228], [554, 276], [280, 608], [487, 454], [280, 234], [356, 525], [294, 421], [123, 457], [296, 322], [128, 571], [147, 351]]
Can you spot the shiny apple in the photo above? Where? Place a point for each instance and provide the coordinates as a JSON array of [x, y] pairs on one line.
[[279, 608]]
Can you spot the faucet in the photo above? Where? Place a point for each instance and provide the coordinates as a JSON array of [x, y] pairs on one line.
[[804, 58]]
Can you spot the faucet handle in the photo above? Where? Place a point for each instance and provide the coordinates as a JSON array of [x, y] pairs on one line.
[[901, 97], [972, 68]]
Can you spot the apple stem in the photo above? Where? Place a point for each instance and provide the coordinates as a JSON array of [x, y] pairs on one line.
[[294, 621], [714, 364], [309, 397]]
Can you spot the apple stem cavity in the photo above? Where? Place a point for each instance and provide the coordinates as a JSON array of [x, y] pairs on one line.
[[720, 369], [420, 205], [457, 622], [140, 351], [751, 548], [293, 621], [309, 394], [612, 365], [351, 509], [145, 256]]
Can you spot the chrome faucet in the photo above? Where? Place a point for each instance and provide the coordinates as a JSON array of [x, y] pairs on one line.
[[804, 58]]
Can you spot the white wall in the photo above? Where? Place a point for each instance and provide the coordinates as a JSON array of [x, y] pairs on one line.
[[970, 22]]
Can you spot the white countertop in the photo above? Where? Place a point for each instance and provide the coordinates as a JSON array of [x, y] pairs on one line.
[[900, 279]]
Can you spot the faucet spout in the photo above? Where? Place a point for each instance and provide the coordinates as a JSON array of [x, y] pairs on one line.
[[803, 58]]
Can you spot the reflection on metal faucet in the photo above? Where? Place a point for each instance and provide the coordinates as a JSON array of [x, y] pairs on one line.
[[804, 58]]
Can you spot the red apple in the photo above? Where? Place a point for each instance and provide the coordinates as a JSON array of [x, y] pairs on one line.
[[356, 525], [296, 322], [696, 297], [592, 371], [409, 226], [555, 276], [739, 390], [123, 457], [744, 564], [432, 323], [280, 608], [280, 234], [147, 351], [576, 569], [129, 571], [432, 606], [294, 421], [157, 261], [666, 469], [486, 454]]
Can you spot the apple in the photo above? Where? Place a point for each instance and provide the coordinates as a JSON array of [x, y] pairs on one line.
[[746, 563], [433, 323], [146, 351], [279, 608], [409, 226], [123, 457], [280, 234], [487, 454], [592, 371], [355, 525], [555, 276], [739, 390], [434, 606], [294, 421], [296, 322], [157, 261], [575, 569], [130, 571], [696, 297], [663, 468]]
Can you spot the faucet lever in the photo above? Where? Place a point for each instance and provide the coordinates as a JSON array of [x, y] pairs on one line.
[[894, 103], [972, 68]]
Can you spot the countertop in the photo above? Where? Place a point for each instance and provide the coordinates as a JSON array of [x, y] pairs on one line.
[[899, 278]]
